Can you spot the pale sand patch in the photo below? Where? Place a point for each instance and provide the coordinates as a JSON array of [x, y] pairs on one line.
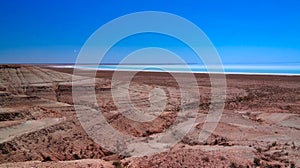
[[11, 132]]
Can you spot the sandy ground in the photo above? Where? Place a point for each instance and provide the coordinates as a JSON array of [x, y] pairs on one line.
[[260, 125]]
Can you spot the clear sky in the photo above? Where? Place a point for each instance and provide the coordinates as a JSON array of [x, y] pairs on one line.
[[243, 31]]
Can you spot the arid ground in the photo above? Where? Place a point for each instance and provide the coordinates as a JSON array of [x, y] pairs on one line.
[[260, 125]]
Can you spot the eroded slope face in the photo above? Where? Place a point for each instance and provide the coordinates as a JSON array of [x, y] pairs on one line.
[[36, 122]]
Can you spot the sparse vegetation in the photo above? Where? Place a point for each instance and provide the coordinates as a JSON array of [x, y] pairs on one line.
[[205, 159], [222, 158], [292, 165], [258, 149], [47, 159], [117, 164], [233, 165], [256, 161], [293, 145], [75, 156]]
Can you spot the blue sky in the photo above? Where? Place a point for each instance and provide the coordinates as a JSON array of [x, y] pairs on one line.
[[243, 31]]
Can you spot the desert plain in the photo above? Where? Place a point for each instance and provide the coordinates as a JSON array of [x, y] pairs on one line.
[[259, 127]]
